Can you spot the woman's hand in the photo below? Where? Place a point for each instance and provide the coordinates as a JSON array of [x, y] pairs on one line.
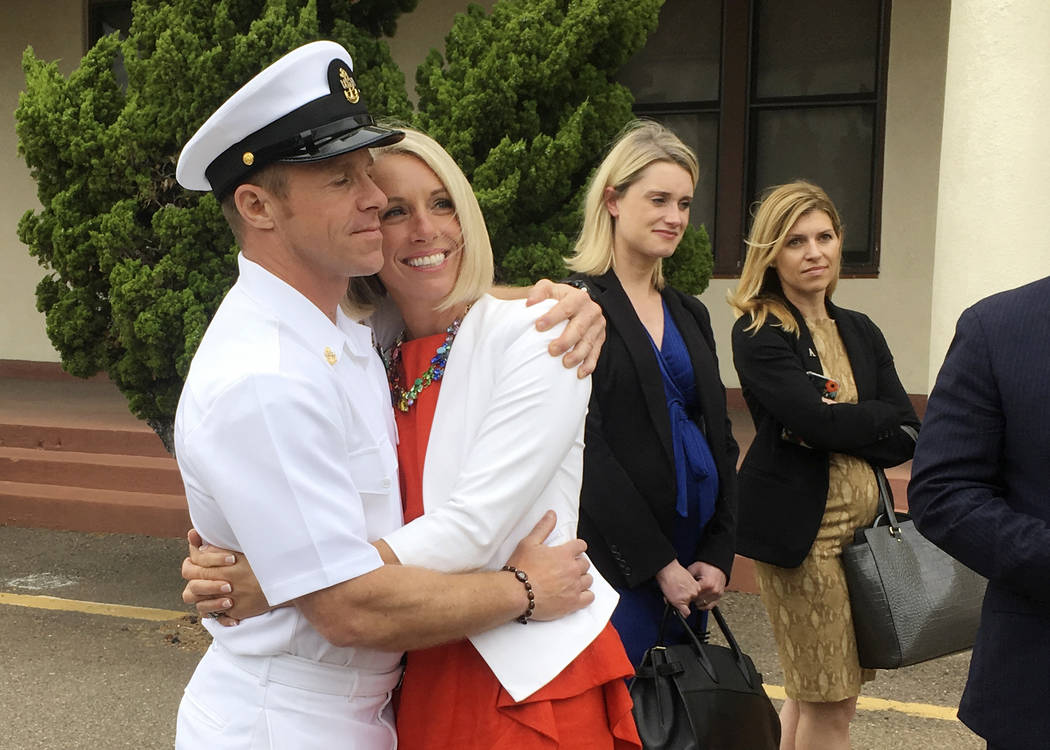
[[679, 587], [214, 575], [559, 574], [712, 584]]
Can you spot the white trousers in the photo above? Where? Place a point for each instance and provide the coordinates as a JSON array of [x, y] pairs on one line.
[[284, 703]]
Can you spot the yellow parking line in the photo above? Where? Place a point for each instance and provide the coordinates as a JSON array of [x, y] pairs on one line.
[[864, 703], [91, 608]]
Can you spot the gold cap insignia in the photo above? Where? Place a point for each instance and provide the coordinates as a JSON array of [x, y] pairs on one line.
[[248, 158], [329, 355], [349, 86]]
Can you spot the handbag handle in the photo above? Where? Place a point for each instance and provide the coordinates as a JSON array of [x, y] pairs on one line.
[[698, 644], [886, 494], [886, 497]]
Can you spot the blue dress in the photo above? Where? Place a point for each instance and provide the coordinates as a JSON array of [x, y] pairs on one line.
[[638, 616]]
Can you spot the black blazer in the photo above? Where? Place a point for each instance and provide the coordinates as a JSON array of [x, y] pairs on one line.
[[784, 485], [980, 489], [627, 506]]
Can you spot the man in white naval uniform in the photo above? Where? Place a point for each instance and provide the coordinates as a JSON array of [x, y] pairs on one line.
[[285, 436]]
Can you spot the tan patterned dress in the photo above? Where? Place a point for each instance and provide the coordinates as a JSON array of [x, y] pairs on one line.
[[809, 605]]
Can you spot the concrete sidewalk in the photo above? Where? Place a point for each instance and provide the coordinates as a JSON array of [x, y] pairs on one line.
[[73, 680]]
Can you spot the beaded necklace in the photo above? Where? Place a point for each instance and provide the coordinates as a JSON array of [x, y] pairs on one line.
[[403, 399]]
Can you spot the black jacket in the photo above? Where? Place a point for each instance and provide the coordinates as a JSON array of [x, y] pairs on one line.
[[784, 485], [627, 506]]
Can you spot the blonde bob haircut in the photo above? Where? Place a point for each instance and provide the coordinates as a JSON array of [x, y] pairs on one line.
[[476, 269], [759, 292], [641, 143]]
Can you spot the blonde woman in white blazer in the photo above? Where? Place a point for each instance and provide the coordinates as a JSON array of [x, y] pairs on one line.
[[505, 445]]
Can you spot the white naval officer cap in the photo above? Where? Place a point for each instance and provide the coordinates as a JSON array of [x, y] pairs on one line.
[[305, 107]]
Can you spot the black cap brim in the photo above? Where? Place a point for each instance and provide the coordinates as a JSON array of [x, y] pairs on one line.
[[370, 136]]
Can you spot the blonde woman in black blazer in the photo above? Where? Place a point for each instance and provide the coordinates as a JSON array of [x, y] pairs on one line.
[[807, 482], [658, 498]]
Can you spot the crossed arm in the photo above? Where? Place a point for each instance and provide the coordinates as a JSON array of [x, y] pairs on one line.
[[769, 368]]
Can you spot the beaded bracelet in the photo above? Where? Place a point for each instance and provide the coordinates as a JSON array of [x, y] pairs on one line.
[[521, 576]]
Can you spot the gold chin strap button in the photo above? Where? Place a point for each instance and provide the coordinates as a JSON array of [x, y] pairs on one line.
[[248, 158], [329, 355]]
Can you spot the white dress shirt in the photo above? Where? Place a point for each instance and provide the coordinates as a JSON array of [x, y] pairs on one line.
[[285, 440]]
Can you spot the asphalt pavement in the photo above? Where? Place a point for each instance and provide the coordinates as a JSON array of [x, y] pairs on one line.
[[80, 675]]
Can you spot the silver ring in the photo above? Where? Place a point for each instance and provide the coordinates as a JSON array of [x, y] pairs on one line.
[[216, 615]]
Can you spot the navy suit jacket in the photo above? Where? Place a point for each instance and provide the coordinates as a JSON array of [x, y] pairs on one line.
[[980, 489], [627, 505]]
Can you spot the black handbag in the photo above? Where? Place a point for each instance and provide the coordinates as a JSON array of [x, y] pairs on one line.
[[700, 696], [911, 601]]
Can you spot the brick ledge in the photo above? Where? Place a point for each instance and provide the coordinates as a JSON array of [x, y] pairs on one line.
[[27, 369]]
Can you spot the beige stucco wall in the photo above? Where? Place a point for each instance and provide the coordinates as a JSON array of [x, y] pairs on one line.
[[55, 30], [904, 298], [995, 156], [899, 299], [422, 30]]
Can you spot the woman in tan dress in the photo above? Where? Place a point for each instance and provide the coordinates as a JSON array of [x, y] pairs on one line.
[[827, 404]]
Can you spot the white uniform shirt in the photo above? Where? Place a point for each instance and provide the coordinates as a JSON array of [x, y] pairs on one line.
[[285, 439]]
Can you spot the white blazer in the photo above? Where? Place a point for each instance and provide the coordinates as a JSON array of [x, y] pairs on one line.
[[506, 446]]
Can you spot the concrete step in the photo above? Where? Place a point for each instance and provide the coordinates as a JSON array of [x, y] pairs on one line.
[[73, 457], [53, 506], [105, 471], [130, 441]]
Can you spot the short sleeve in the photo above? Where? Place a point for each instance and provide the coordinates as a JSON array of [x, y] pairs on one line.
[[270, 466]]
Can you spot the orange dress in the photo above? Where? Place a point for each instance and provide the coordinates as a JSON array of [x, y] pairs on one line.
[[450, 698]]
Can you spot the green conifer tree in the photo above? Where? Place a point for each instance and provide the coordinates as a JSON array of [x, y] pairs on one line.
[[525, 99], [136, 266]]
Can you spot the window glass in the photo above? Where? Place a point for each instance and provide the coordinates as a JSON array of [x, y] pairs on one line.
[[110, 17], [700, 132], [680, 62], [767, 91], [106, 18], [831, 146], [813, 47]]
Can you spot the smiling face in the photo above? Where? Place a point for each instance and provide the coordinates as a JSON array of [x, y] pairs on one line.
[[422, 240], [808, 261], [651, 214]]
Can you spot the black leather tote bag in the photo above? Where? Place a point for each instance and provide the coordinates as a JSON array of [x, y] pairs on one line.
[[911, 601], [700, 696]]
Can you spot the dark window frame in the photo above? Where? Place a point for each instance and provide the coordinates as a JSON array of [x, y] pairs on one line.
[[735, 163]]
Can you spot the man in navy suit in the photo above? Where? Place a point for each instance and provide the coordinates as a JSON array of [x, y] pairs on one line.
[[980, 489]]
